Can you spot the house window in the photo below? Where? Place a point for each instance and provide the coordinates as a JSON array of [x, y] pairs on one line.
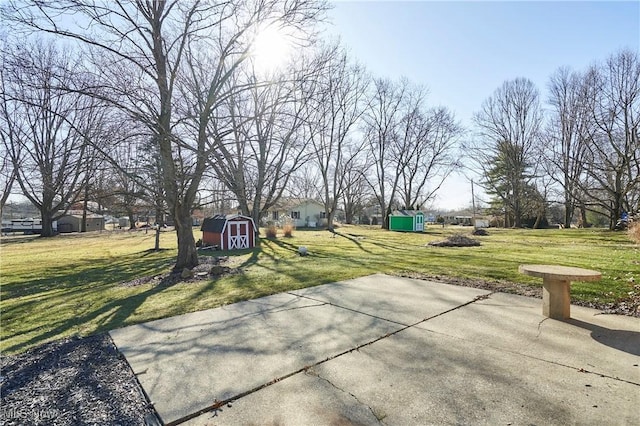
[[323, 214], [295, 215], [274, 215]]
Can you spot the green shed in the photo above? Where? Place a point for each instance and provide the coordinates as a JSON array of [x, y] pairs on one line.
[[406, 221]]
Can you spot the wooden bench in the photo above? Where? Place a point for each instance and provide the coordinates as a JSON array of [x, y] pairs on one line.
[[556, 286]]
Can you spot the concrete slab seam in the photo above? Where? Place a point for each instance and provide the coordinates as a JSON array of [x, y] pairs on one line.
[[312, 372], [578, 369], [559, 364], [347, 309], [219, 404], [299, 307]]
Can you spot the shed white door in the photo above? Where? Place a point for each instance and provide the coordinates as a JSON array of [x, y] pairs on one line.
[[419, 223], [238, 235]]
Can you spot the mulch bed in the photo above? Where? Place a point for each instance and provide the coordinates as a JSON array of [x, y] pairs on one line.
[[209, 267], [70, 382]]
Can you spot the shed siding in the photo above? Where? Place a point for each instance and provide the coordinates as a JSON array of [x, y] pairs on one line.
[[211, 238], [401, 223]]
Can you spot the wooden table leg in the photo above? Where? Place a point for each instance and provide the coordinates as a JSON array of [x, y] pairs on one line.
[[556, 299]]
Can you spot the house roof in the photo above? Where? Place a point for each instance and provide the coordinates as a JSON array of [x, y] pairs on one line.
[[292, 203]]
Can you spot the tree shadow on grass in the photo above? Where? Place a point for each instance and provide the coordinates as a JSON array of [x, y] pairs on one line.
[[77, 291]]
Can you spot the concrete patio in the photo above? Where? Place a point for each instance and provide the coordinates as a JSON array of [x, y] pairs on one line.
[[388, 350]]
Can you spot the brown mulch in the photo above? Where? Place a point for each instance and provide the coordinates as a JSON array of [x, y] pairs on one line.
[[209, 267], [72, 382], [629, 305]]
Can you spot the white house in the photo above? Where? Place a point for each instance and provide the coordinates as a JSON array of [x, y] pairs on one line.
[[302, 212]]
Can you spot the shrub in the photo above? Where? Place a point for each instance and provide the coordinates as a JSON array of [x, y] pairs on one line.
[[634, 231], [288, 230], [272, 231]]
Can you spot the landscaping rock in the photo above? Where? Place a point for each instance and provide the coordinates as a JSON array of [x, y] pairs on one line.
[[186, 273]]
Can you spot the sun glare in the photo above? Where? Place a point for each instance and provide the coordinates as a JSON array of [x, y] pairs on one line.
[[271, 50]]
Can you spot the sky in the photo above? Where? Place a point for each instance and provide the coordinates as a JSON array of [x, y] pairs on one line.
[[462, 51]]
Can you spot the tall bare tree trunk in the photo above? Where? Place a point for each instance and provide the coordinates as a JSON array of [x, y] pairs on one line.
[[187, 253]]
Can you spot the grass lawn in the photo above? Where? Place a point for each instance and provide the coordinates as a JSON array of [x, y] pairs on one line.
[[70, 284]]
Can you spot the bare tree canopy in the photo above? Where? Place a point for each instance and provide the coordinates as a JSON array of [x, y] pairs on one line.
[[412, 148], [49, 129], [613, 158], [150, 58], [336, 108], [266, 142], [568, 130], [382, 119], [9, 115], [508, 142]]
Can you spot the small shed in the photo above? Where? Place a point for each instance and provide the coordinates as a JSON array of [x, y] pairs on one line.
[[406, 221], [231, 232]]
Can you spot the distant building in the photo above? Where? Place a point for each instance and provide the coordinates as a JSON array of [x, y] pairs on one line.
[[302, 212], [72, 222]]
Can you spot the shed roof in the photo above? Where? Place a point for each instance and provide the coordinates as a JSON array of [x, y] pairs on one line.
[[406, 212], [216, 223], [89, 216]]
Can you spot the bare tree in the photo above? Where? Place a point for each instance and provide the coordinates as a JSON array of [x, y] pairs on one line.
[[305, 183], [569, 128], [425, 151], [53, 128], [10, 120], [410, 146], [508, 142], [613, 165], [336, 109], [128, 178], [382, 119], [146, 50], [265, 145], [357, 191]]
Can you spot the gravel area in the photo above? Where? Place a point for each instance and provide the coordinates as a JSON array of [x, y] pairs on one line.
[[86, 381]]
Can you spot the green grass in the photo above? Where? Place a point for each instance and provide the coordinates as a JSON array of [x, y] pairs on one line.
[[70, 284]]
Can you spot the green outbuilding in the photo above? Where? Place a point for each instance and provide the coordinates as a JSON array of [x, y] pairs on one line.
[[406, 221]]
